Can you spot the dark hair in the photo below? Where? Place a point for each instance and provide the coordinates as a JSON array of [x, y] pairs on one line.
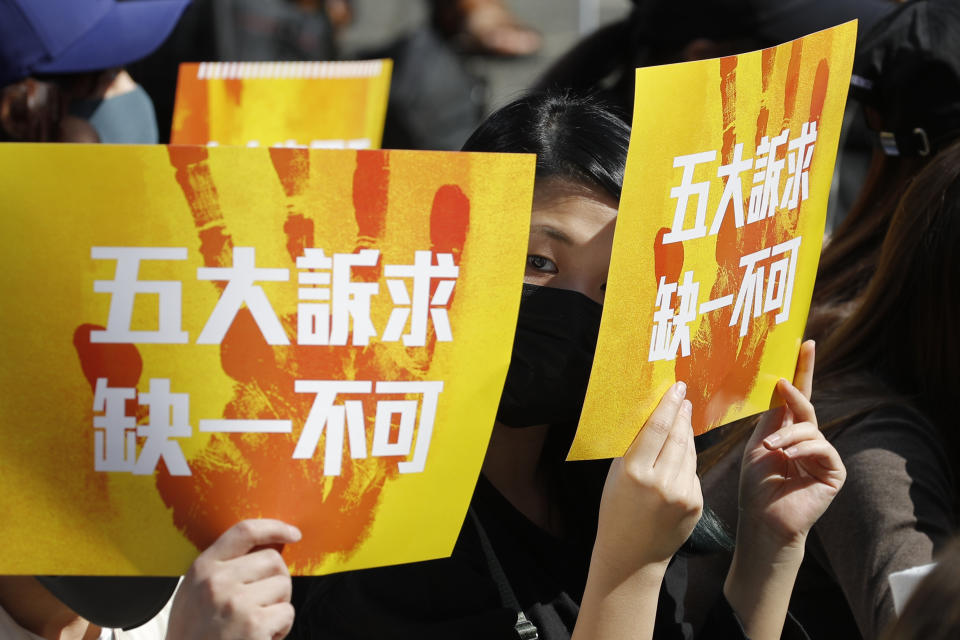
[[902, 330], [850, 258], [575, 138]]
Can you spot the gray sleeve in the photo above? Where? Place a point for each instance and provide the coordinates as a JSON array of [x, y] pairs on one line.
[[895, 510]]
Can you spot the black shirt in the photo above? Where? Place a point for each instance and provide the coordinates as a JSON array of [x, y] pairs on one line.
[[462, 597]]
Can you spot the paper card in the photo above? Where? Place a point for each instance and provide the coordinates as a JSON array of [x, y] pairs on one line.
[[193, 336], [718, 235], [321, 105]]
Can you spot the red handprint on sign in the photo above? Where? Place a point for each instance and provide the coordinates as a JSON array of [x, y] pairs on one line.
[[241, 475]]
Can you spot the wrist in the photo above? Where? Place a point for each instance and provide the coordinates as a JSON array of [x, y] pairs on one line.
[[612, 570], [754, 534], [752, 565], [758, 552]]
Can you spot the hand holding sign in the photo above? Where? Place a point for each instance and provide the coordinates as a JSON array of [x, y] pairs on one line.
[[235, 589], [790, 473], [651, 503], [789, 476], [651, 499]]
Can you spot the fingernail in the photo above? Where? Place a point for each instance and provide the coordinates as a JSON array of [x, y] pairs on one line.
[[772, 440], [686, 407], [680, 389], [295, 533], [792, 451]]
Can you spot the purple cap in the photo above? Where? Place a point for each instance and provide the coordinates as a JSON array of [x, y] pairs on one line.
[[67, 36]]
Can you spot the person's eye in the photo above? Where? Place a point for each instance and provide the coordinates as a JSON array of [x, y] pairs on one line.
[[539, 263]]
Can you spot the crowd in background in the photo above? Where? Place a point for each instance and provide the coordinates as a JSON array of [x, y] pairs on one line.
[[883, 316]]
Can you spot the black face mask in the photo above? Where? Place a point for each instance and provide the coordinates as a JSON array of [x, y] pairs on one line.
[[552, 355]]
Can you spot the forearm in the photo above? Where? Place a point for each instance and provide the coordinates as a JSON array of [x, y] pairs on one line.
[[759, 584], [618, 604]]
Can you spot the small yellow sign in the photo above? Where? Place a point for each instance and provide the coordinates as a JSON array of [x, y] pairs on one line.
[[718, 234], [320, 105]]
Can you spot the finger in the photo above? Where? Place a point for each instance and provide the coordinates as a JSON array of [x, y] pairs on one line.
[[769, 423], [278, 619], [257, 565], [647, 445], [247, 534], [675, 446], [798, 403], [819, 459], [791, 434], [269, 591], [688, 469], [803, 375]]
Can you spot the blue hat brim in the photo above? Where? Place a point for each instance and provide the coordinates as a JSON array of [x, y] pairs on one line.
[[128, 32]]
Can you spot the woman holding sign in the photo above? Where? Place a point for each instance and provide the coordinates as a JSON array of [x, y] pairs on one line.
[[551, 550]]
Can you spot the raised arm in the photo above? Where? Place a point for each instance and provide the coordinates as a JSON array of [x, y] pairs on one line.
[[789, 476], [651, 502]]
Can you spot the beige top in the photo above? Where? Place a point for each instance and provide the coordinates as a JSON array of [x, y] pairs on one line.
[[896, 510]]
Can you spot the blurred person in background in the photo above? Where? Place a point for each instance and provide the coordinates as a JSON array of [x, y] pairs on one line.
[[61, 68], [663, 31], [435, 100], [485, 27], [907, 79]]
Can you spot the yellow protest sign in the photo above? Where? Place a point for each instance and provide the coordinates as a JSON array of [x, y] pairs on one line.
[[193, 336], [718, 234], [321, 105]]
